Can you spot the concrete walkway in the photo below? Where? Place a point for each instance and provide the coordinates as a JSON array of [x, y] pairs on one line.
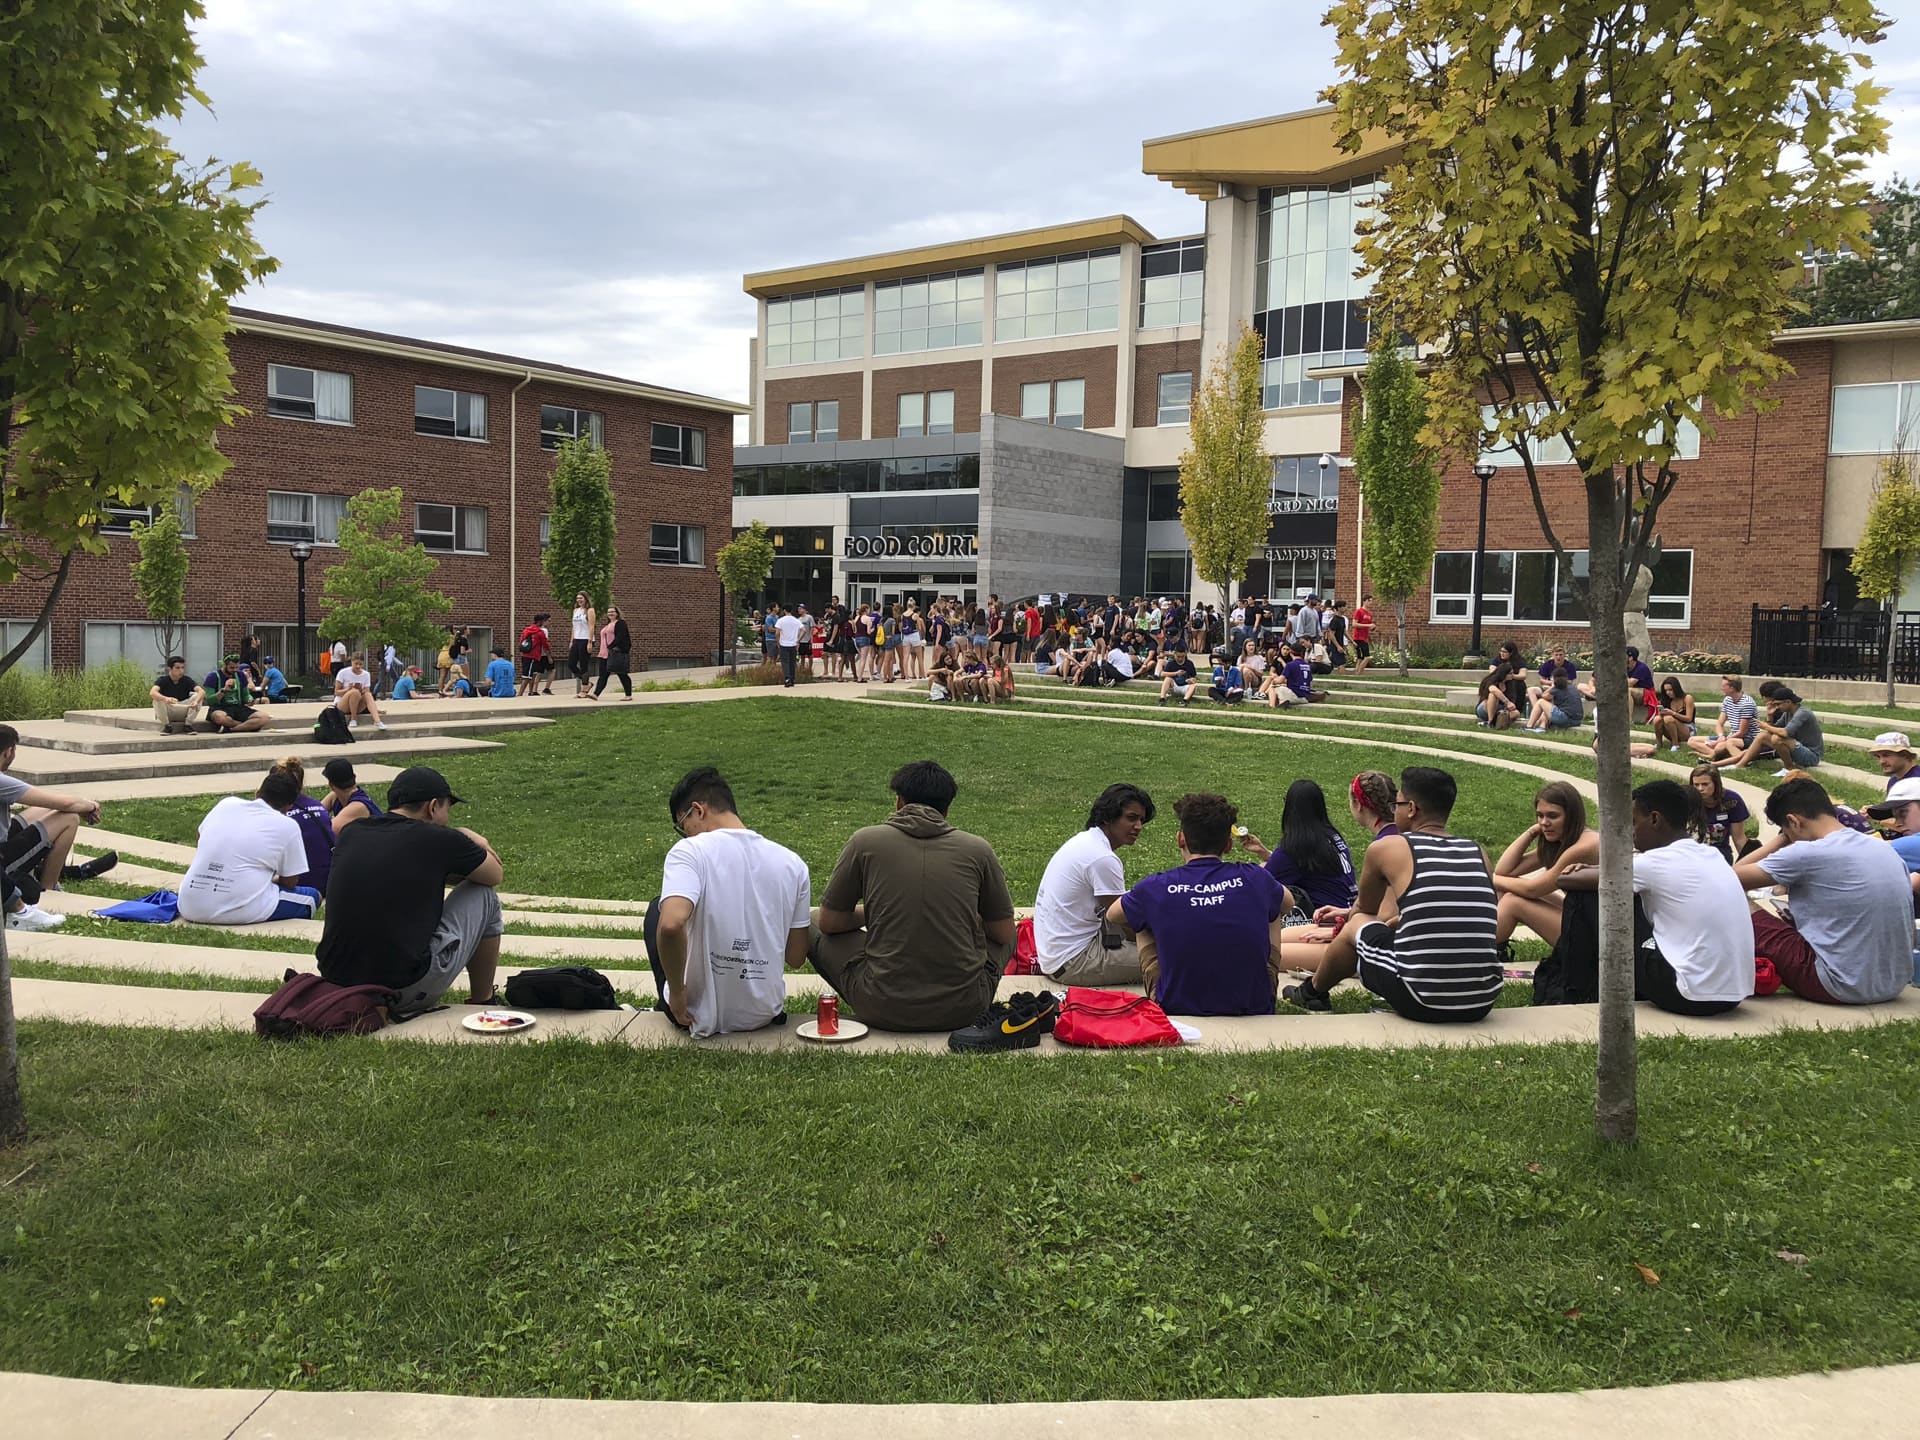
[[1876, 1404]]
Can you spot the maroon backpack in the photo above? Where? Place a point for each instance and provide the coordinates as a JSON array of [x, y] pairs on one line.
[[310, 1005]]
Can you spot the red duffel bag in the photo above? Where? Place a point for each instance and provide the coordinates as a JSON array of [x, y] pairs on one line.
[[1112, 1019]]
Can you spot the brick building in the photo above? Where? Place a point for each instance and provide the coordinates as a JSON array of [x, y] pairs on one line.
[[887, 389], [469, 438]]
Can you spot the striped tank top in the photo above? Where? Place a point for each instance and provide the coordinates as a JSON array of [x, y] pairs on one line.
[[1443, 947]]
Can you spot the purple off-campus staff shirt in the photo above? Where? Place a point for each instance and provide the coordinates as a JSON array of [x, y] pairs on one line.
[[1209, 920], [1310, 892]]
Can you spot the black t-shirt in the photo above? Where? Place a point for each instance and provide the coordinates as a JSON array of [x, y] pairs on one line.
[[181, 690], [385, 895], [1182, 668]]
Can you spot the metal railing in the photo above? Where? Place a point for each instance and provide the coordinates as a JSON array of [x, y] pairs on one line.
[[1823, 644]]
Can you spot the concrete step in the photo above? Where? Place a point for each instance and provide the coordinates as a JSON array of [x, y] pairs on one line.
[[89, 739], [61, 769]]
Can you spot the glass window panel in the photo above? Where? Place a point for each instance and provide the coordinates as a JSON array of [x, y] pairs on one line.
[[800, 308], [1071, 297], [1673, 575], [940, 313], [913, 414], [1070, 272], [940, 412], [800, 421], [1034, 399], [1453, 572], [968, 333], [827, 424], [973, 284], [826, 306], [1070, 322], [1007, 307], [1866, 418], [1039, 326], [940, 337], [1160, 314], [886, 297], [1069, 403], [1158, 260], [1533, 585], [1497, 577], [779, 355], [1103, 317]]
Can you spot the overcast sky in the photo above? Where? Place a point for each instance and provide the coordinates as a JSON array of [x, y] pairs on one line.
[[587, 183]]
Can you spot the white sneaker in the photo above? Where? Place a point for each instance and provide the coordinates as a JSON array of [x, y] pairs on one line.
[[32, 917], [379, 724], [353, 724]]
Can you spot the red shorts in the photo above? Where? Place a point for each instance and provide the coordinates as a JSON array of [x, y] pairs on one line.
[[1792, 956]]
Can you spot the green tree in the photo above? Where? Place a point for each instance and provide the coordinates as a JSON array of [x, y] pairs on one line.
[[1226, 476], [1398, 482], [1587, 223], [580, 524], [1884, 282], [160, 575], [1888, 551], [377, 590], [116, 261], [744, 564]]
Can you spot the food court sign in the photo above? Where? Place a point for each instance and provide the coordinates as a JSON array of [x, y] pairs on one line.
[[882, 547]]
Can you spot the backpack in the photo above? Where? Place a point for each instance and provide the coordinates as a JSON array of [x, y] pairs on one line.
[[561, 987], [526, 644], [1111, 1020], [311, 1005], [330, 728]]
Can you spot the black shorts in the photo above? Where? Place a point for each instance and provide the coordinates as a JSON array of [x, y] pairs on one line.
[[1363, 649], [239, 714], [1392, 988], [25, 846]]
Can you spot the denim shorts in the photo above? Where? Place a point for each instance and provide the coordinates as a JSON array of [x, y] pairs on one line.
[[1561, 720], [1803, 758]]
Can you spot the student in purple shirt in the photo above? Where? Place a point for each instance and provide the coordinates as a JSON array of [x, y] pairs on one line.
[[1312, 859], [1208, 930], [1556, 661]]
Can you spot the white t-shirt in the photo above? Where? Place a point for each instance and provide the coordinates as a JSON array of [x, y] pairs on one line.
[[360, 679], [748, 893], [1121, 660], [581, 630], [1065, 919], [1255, 662], [244, 846], [339, 651], [788, 627], [1700, 919]]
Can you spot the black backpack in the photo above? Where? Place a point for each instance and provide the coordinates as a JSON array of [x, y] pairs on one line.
[[331, 728], [561, 987]]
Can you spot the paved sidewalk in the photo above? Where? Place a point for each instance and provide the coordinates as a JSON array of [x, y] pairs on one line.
[[1878, 1404]]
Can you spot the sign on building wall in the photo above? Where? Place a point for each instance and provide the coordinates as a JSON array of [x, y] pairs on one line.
[[1289, 553], [1305, 505], [877, 547]]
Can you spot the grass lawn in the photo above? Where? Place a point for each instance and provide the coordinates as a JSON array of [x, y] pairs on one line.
[[581, 808], [565, 1219]]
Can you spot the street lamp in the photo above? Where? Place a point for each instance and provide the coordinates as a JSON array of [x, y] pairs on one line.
[[302, 552], [1483, 471]]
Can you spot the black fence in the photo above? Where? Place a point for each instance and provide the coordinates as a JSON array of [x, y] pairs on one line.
[[1836, 644]]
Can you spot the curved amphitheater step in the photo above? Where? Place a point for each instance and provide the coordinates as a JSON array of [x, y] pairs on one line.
[[90, 739], [249, 755], [139, 1005]]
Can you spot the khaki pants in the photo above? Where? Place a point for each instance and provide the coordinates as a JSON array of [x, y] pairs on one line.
[[172, 712], [1097, 966]]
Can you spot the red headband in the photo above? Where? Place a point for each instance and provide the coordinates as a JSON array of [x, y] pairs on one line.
[[1359, 797]]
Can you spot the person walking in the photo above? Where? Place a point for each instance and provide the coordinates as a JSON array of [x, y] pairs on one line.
[[580, 650], [787, 628], [536, 655], [616, 653]]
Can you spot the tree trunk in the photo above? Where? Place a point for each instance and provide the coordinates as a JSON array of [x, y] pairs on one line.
[[733, 636], [1893, 639], [12, 657], [1616, 1105], [1400, 630], [13, 1113]]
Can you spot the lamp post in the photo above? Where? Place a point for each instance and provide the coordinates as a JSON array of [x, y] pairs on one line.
[[302, 552], [1483, 470]]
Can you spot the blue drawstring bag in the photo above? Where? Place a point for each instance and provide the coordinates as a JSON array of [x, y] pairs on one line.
[[162, 907]]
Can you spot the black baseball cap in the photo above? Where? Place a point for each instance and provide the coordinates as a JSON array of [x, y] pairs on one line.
[[417, 786]]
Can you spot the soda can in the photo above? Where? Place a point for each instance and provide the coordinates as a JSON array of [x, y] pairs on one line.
[[826, 1017]]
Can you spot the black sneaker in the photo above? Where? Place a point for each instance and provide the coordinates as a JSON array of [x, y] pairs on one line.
[[1306, 997], [1015, 1024], [91, 869]]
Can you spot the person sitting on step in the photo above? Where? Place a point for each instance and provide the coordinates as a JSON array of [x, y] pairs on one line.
[[1493, 708], [1437, 961], [1735, 730], [1208, 930], [230, 700], [1068, 931], [248, 866], [1178, 677], [1559, 707], [346, 802], [1527, 875], [353, 693], [37, 840], [176, 699], [1227, 687]]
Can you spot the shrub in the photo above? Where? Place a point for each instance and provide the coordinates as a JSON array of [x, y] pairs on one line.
[[767, 672], [49, 694]]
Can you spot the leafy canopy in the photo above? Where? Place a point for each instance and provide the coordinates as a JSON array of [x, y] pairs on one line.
[[1602, 207], [580, 523], [745, 561], [377, 590], [1884, 283], [1889, 546], [116, 261], [160, 574], [1226, 476], [1394, 460]]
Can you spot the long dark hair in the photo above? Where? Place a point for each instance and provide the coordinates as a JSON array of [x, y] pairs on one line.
[[1671, 690], [1306, 834], [1572, 807]]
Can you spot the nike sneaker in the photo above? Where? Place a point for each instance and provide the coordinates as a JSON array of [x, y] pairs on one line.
[[1015, 1024]]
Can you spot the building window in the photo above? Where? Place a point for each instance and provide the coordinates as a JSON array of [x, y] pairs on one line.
[[1168, 573], [37, 656], [459, 529], [677, 545], [1163, 495], [1554, 449], [1531, 587], [546, 530], [560, 422], [1172, 281], [1297, 571], [1301, 486], [458, 413], [1309, 305], [928, 413], [859, 477], [682, 445], [104, 641], [1064, 295], [1059, 402], [813, 420], [1875, 419], [1176, 397], [293, 515], [930, 312], [820, 325], [120, 519], [295, 392]]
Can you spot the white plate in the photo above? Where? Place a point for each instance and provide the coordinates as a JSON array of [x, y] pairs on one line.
[[849, 1030], [474, 1023]]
